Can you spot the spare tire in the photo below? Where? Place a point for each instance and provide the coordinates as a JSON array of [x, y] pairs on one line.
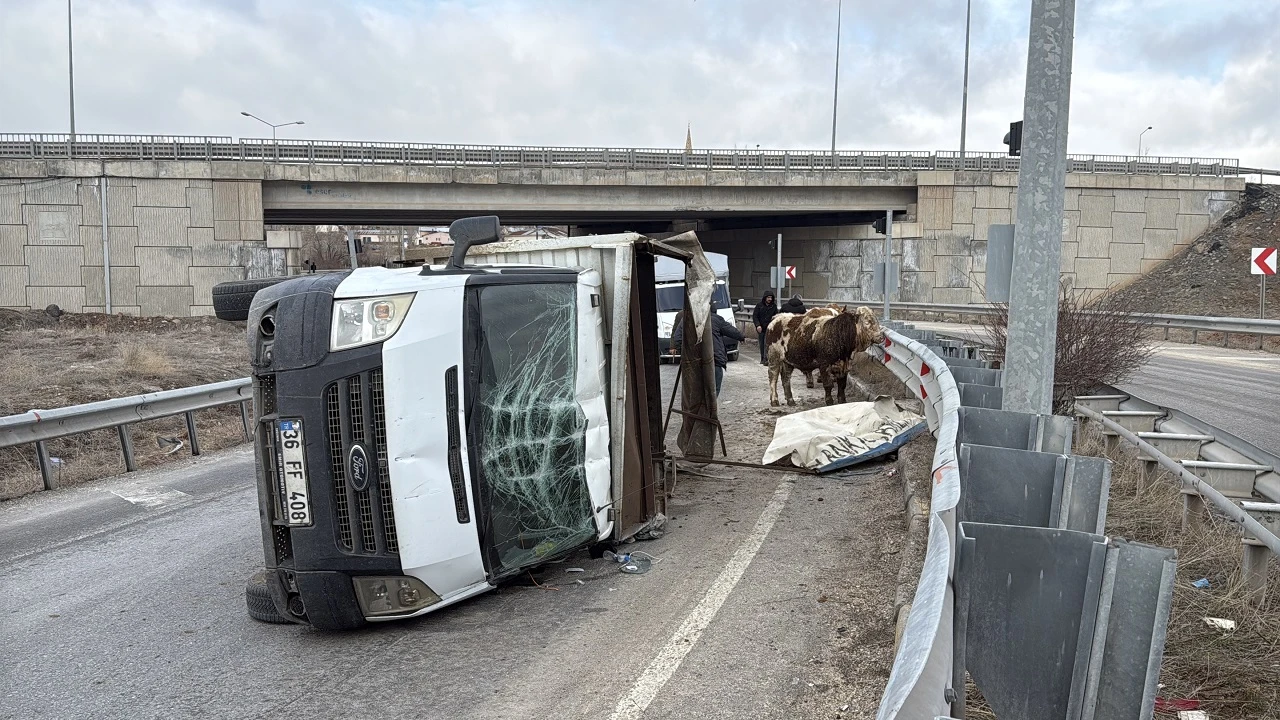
[[257, 600], [231, 300]]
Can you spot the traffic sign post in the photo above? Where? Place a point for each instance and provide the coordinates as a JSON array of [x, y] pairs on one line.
[[1262, 261]]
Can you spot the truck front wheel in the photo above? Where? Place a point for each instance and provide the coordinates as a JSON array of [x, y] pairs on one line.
[[257, 600]]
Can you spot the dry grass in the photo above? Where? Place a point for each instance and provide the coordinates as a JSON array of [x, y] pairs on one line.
[[145, 359], [85, 358]]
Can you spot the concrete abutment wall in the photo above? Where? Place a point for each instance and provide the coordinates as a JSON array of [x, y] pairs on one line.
[[179, 227]]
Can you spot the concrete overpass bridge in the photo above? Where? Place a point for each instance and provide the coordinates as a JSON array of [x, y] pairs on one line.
[[185, 213]]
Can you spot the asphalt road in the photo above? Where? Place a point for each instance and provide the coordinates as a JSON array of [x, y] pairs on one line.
[[1236, 390], [124, 598]]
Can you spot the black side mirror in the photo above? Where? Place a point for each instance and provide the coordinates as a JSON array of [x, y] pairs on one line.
[[466, 232]]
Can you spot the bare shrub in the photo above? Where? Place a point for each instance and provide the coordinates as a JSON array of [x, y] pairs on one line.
[[1097, 344]]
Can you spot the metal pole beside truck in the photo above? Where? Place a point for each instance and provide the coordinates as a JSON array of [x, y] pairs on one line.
[[1037, 251]]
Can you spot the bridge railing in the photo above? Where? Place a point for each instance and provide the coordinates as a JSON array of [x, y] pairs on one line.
[[174, 147]]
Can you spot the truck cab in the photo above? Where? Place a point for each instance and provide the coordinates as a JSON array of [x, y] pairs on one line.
[[423, 434]]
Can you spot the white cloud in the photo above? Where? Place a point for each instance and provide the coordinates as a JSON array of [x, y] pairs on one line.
[[561, 72]]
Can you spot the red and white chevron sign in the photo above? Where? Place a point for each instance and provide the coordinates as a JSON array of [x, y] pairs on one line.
[[1262, 261]]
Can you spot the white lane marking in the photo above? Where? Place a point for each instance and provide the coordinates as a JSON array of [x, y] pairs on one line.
[[146, 496], [668, 660]]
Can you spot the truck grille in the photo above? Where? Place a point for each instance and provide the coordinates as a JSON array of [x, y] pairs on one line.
[[356, 416]]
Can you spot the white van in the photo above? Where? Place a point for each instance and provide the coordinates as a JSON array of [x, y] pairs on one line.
[[668, 277]]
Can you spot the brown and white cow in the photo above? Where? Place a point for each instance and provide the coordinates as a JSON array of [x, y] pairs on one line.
[[823, 339]]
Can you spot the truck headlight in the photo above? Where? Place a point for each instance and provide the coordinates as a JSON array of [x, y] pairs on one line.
[[385, 596], [362, 321]]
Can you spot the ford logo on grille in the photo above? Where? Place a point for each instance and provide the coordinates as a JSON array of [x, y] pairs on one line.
[[358, 467]]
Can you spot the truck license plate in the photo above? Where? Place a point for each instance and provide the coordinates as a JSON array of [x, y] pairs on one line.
[[294, 500]]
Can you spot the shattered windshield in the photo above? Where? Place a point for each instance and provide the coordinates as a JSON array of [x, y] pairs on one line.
[[530, 430], [670, 298]]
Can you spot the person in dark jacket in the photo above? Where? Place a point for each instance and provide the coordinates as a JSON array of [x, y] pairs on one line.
[[764, 312], [720, 329], [794, 305]]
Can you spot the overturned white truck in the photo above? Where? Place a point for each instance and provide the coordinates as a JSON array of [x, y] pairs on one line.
[[425, 433]]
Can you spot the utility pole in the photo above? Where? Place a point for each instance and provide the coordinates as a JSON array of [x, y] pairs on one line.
[[964, 101], [1033, 300], [835, 94], [71, 74]]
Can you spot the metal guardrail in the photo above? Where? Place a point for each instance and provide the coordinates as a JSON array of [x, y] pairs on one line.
[[922, 666], [1188, 478], [169, 147], [39, 426], [1076, 620], [1195, 323]]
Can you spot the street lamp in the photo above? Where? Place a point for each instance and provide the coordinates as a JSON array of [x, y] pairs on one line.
[[835, 91], [1144, 132], [71, 74], [273, 126], [964, 100]]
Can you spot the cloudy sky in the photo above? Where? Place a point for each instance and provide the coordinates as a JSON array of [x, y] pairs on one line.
[[1206, 75]]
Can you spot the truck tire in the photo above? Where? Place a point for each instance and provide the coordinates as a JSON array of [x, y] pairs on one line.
[[231, 300], [257, 600]]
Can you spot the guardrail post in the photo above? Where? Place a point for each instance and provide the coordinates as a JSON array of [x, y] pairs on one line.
[[1166, 332], [1193, 509], [126, 446], [1225, 337], [1195, 335], [244, 418], [46, 471], [1254, 566], [191, 432]]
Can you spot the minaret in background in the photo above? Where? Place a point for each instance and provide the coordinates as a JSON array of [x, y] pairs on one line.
[[688, 138]]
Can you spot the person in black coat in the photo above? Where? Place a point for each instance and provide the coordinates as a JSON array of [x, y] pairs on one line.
[[794, 305], [720, 329], [764, 312]]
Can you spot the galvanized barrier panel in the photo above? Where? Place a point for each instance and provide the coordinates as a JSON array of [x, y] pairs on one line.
[[1133, 615], [983, 396], [979, 376], [1026, 602], [1023, 487], [958, 362], [1005, 428]]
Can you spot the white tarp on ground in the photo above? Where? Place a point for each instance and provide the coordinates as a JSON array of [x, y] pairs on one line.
[[838, 435]]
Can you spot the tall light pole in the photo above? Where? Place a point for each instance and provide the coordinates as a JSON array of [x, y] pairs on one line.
[[273, 126], [964, 101], [835, 93], [71, 75], [1144, 132]]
